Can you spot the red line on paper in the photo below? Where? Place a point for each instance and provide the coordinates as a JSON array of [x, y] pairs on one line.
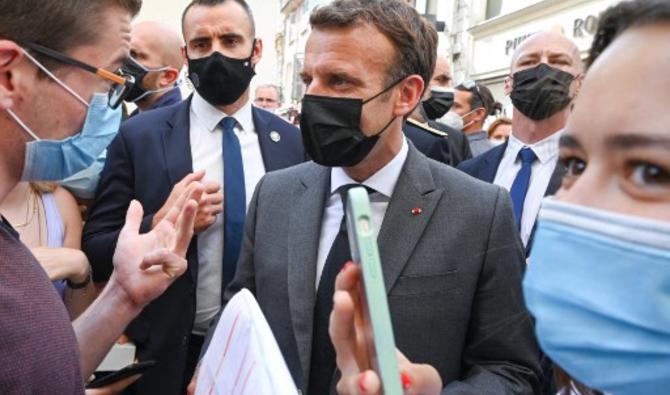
[[246, 380], [225, 351], [239, 371]]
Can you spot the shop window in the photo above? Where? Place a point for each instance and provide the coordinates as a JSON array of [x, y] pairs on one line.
[[493, 8]]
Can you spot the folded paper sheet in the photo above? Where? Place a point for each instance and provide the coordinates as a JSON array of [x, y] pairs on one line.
[[243, 356]]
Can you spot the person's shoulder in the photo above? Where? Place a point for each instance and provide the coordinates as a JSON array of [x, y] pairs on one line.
[[153, 118], [424, 130], [293, 176], [461, 184], [468, 166], [275, 121], [64, 199], [68, 208], [296, 172]]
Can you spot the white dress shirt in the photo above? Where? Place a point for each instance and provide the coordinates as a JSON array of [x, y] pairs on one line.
[[206, 137], [541, 171], [382, 182]]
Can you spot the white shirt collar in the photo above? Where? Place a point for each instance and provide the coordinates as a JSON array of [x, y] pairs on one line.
[[546, 150], [383, 181], [210, 116]]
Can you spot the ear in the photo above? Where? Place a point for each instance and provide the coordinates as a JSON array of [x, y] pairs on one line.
[[258, 52], [168, 77], [577, 85], [184, 55], [508, 85], [411, 92], [10, 57], [480, 115]]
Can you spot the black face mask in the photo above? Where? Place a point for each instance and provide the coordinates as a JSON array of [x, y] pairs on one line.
[[437, 105], [331, 131], [138, 92], [541, 92], [221, 80]]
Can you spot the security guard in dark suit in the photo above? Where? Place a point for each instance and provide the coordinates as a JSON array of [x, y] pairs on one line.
[[440, 143]]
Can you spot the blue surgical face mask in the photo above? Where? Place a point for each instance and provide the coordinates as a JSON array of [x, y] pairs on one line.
[[598, 285], [53, 160]]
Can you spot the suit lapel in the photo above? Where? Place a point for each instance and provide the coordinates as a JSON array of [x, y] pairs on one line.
[[402, 229], [270, 148], [177, 143], [556, 180], [178, 162], [491, 162], [304, 231]]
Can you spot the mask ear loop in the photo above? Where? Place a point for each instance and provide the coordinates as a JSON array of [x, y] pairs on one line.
[[23, 125], [376, 96], [251, 55], [176, 84], [58, 81], [384, 91]]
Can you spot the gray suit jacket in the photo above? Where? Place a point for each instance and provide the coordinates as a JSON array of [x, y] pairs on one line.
[[453, 273]]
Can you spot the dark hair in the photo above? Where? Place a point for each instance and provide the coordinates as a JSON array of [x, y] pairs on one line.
[[623, 16], [414, 38], [61, 25], [213, 3], [483, 99]]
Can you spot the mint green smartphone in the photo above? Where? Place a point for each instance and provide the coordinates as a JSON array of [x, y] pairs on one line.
[[376, 315]]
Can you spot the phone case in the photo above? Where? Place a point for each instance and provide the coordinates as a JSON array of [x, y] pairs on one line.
[[118, 375], [364, 251]]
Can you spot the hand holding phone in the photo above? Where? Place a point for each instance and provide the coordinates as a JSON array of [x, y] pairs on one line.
[[360, 323], [375, 319], [128, 371], [350, 346]]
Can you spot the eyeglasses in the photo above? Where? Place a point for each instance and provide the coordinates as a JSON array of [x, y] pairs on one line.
[[470, 85], [121, 84]]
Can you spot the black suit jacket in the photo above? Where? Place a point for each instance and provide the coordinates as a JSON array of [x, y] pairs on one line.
[[485, 167], [433, 146], [458, 143], [149, 156]]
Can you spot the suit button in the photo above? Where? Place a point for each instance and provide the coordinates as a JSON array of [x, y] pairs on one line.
[[184, 341]]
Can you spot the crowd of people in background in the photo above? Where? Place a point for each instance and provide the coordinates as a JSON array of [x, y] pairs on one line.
[[523, 253]]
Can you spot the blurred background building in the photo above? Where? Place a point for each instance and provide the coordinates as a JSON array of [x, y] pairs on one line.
[[479, 36]]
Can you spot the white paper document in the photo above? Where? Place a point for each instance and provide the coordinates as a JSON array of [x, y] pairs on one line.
[[243, 356]]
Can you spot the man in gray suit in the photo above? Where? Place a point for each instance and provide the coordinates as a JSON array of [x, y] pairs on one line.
[[451, 257]]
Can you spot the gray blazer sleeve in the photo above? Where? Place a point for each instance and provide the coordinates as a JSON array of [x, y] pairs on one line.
[[244, 275], [501, 355]]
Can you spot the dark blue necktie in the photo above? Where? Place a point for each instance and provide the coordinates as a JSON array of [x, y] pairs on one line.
[[521, 182], [234, 199]]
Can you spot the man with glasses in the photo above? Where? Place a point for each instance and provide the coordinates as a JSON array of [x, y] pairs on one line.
[[154, 65], [474, 103], [545, 78], [58, 110], [231, 145]]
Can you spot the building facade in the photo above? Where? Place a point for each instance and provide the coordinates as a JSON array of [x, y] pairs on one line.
[[268, 22], [486, 33], [479, 36]]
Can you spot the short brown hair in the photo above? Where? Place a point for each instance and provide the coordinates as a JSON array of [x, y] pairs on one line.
[[414, 38], [57, 24], [214, 3], [500, 121]]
